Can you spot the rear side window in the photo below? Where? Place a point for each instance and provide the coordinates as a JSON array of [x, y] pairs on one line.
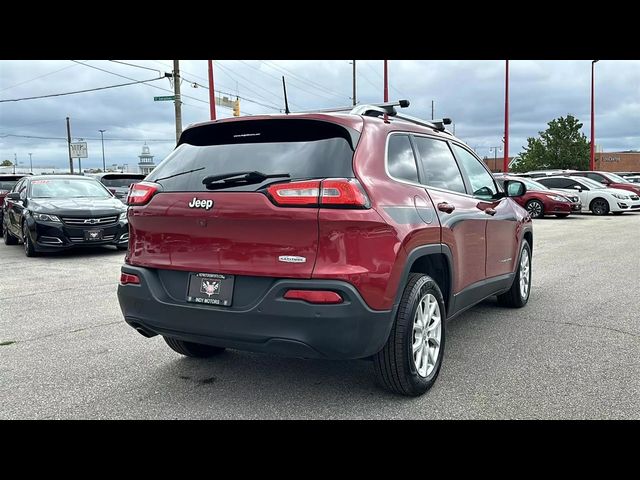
[[556, 182], [400, 159], [438, 165], [301, 148]]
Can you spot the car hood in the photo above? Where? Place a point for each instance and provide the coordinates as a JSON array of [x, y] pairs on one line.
[[91, 207], [621, 191], [560, 192]]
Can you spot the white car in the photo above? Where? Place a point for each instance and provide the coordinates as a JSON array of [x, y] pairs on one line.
[[594, 196]]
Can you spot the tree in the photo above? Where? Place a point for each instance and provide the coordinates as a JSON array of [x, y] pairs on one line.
[[6, 163], [560, 146]]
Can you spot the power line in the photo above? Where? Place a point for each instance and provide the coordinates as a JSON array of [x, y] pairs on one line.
[[36, 78], [302, 79], [79, 91], [91, 138], [138, 66]]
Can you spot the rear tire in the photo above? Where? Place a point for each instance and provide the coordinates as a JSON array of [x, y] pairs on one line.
[[515, 297], [406, 364], [190, 349], [8, 237]]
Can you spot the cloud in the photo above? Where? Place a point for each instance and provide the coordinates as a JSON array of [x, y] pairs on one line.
[[470, 92]]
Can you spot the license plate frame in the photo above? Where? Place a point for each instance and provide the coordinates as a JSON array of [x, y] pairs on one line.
[[89, 237], [214, 289]]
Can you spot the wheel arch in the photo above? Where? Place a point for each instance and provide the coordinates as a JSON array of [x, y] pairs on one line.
[[433, 260]]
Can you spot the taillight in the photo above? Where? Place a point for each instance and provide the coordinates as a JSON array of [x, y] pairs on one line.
[[129, 278], [314, 296], [295, 193], [334, 192], [141, 193], [343, 192]]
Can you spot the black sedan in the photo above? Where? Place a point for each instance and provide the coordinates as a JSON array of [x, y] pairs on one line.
[[56, 212]]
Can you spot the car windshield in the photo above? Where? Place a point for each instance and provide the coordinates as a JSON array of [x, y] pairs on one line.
[[616, 178], [68, 188], [592, 184], [531, 185], [116, 182], [7, 184]]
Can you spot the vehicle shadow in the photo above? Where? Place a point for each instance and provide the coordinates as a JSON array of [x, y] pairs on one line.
[[106, 250]]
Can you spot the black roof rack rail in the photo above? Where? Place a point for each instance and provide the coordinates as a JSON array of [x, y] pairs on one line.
[[388, 108]]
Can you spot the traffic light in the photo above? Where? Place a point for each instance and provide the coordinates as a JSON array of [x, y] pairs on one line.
[[236, 108]]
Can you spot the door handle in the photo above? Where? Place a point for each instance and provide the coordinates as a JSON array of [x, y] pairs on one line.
[[446, 207], [490, 211]]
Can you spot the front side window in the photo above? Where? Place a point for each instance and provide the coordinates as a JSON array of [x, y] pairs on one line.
[[439, 166], [482, 182], [401, 162]]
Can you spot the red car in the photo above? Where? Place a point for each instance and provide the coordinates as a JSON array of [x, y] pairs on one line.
[[610, 180], [7, 182], [540, 200], [322, 235]]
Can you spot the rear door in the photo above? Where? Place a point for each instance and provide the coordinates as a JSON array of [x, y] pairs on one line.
[[463, 222], [239, 229]]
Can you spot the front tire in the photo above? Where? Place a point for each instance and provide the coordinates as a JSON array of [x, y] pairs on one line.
[[29, 249], [518, 295], [535, 209], [190, 349], [8, 237], [600, 206], [410, 361]]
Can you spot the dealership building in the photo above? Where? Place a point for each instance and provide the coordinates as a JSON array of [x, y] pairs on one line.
[[627, 161]]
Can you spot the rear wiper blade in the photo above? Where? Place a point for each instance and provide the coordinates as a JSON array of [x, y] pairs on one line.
[[181, 173], [240, 177]]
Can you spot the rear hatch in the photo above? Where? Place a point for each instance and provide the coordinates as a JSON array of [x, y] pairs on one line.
[[233, 224]]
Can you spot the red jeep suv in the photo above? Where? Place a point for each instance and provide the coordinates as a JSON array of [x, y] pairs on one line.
[[336, 235]]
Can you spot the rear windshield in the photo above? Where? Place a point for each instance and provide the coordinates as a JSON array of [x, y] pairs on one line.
[[119, 181], [301, 148], [7, 184]]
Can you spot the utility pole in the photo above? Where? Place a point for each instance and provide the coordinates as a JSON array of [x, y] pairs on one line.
[[104, 165], [15, 162], [354, 83], [69, 147], [212, 94], [495, 157], [431, 109], [505, 165], [30, 163], [592, 158], [177, 102]]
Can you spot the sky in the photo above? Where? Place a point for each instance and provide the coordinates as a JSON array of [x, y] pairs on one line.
[[470, 92]]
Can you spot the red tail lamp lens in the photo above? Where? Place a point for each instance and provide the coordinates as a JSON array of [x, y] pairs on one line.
[[295, 193], [314, 296], [141, 193], [128, 278], [343, 191]]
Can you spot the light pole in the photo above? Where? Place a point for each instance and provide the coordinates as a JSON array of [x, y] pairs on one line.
[[495, 156], [15, 162], [592, 159], [30, 163], [505, 164], [104, 165]]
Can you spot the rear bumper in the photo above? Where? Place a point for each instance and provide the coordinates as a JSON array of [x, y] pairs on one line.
[[265, 323]]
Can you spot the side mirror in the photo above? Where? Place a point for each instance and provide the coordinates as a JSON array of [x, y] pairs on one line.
[[514, 188], [577, 187], [15, 196]]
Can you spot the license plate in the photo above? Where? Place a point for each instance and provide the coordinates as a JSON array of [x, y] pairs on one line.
[[92, 235], [210, 289]]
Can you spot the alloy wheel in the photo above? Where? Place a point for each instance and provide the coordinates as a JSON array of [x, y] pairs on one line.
[[427, 331], [525, 273]]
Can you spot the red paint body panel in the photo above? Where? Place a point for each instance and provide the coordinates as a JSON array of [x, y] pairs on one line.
[[243, 234]]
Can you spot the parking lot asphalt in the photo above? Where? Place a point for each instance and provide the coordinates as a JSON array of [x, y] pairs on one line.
[[572, 353]]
